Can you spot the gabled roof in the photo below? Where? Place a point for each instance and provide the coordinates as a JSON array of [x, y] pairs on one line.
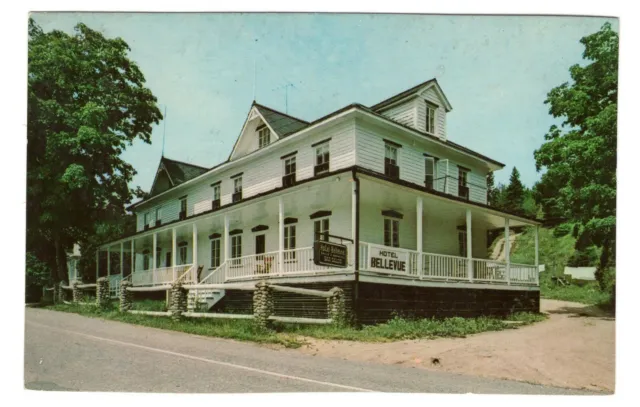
[[281, 123], [177, 173], [413, 92]]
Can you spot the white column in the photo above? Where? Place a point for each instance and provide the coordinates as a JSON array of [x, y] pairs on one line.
[[469, 248], [227, 246], [108, 261], [281, 235], [419, 234], [507, 249], [354, 208], [155, 244], [121, 259], [174, 253], [194, 251], [133, 257]]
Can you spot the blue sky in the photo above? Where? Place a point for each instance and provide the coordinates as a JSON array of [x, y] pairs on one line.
[[495, 71]]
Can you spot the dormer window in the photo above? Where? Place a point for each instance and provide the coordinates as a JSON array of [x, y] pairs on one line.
[[264, 136], [431, 119]]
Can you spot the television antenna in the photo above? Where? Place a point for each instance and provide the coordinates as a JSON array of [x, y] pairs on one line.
[[286, 87]]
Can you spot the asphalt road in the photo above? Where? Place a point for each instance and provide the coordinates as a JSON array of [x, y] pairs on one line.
[[68, 352]]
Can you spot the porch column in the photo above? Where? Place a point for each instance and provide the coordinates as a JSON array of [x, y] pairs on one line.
[[227, 247], [97, 265], [155, 243], [108, 261], [194, 251], [280, 235], [121, 260], [174, 254], [507, 249], [469, 248], [354, 209], [419, 234], [133, 257]]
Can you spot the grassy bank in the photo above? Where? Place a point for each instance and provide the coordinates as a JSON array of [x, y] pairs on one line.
[[293, 336]]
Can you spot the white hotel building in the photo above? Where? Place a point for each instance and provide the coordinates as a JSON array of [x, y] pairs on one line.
[[409, 204]]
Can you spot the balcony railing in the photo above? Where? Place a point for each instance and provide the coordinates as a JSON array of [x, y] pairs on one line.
[[442, 267]]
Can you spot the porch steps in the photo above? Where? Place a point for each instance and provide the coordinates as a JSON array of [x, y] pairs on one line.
[[204, 299]]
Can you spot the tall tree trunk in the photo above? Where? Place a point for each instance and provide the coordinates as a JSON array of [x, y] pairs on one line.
[[61, 262]]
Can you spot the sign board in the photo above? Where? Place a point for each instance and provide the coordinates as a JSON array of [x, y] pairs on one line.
[[387, 259], [329, 254]]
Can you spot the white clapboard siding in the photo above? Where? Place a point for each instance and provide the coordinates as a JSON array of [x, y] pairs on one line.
[[421, 115], [404, 113], [260, 175]]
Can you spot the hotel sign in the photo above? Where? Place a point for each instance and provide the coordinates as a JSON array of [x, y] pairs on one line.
[[329, 254], [387, 259]]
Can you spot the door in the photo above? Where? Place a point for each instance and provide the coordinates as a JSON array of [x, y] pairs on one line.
[[260, 244]]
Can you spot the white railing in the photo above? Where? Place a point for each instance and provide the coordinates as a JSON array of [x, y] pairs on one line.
[[188, 274], [114, 285], [252, 265], [451, 268], [217, 276], [159, 276]]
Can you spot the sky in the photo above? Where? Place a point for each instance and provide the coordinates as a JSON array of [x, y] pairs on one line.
[[206, 68]]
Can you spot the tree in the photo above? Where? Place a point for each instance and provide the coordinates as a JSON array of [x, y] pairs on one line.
[[86, 103], [492, 192], [580, 156], [514, 193]]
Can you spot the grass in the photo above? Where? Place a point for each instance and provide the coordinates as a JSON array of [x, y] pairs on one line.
[[150, 305], [293, 335]]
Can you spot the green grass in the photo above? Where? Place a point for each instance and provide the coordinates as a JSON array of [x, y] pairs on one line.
[[293, 335], [150, 305]]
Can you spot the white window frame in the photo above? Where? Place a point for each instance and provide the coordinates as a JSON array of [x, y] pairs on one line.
[[290, 162], [392, 222], [182, 255], [290, 238], [145, 218], [430, 119], [214, 251], [158, 213], [322, 226], [236, 246], [237, 184], [323, 154], [463, 175], [462, 243], [264, 137], [183, 203], [216, 192], [391, 153], [430, 162]]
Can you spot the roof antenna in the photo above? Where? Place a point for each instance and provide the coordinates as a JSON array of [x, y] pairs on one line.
[[255, 76], [286, 87], [164, 131]]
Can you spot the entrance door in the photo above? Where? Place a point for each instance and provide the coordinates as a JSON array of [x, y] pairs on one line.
[[260, 244]]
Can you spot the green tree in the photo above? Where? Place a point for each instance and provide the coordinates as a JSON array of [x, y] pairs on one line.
[[514, 193], [579, 157], [86, 103]]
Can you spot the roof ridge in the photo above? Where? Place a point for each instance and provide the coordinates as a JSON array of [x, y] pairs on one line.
[[183, 162], [407, 91], [279, 112]]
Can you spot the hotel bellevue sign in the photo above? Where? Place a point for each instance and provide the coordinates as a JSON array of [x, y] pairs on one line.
[[387, 259]]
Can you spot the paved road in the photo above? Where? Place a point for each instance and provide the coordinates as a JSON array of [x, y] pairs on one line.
[[74, 353]]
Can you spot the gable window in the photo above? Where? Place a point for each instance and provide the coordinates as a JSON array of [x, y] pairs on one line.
[[322, 159], [289, 242], [237, 188], [264, 136], [236, 249], [215, 203], [289, 171], [429, 172], [462, 242], [391, 168], [463, 187], [183, 207], [182, 255], [321, 229], [215, 253], [391, 232], [158, 216], [431, 119]]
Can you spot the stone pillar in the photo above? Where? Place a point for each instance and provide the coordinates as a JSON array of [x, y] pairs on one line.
[[336, 307], [102, 292], [178, 301], [126, 296], [56, 296], [262, 305], [78, 295]]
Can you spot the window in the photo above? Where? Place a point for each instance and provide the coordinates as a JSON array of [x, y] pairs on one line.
[[260, 244], [145, 220], [429, 172], [391, 168], [463, 188], [182, 252], [322, 159], [289, 242], [215, 253], [431, 119], [321, 229], [215, 203], [391, 232], [264, 134], [236, 249], [183, 207], [462, 243], [159, 257], [158, 216], [289, 171], [145, 261], [237, 189], [168, 259]]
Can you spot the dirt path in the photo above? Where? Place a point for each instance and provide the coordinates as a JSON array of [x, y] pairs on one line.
[[574, 348]]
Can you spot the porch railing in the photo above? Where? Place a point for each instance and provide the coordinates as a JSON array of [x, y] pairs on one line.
[[217, 276], [452, 268], [159, 276], [252, 265]]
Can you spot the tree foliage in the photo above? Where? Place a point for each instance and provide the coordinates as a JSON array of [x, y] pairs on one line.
[[86, 103], [514, 193], [579, 157]]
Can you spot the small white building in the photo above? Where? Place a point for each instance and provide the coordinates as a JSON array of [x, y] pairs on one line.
[[385, 180], [73, 258]]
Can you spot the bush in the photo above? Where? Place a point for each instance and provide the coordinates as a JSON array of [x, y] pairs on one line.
[[584, 258], [562, 230]]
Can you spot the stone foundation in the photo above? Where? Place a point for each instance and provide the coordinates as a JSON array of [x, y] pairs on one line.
[[336, 307], [262, 305], [78, 294], [102, 292], [178, 301], [126, 296]]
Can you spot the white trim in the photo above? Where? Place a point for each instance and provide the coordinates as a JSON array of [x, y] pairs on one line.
[[397, 280], [250, 117]]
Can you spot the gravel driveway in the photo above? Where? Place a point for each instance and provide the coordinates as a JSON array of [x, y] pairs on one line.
[[574, 348]]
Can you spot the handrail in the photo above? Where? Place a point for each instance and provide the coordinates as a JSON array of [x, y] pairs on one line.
[[185, 273], [219, 268]]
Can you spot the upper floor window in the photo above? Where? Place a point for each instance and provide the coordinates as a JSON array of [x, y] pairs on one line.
[[431, 119], [237, 188], [289, 171], [391, 168], [158, 216], [321, 229], [463, 188], [391, 232], [322, 159], [215, 203], [429, 172], [145, 220], [183, 207], [264, 135]]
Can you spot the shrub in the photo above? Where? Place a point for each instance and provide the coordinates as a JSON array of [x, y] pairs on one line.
[[562, 230], [584, 258]]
